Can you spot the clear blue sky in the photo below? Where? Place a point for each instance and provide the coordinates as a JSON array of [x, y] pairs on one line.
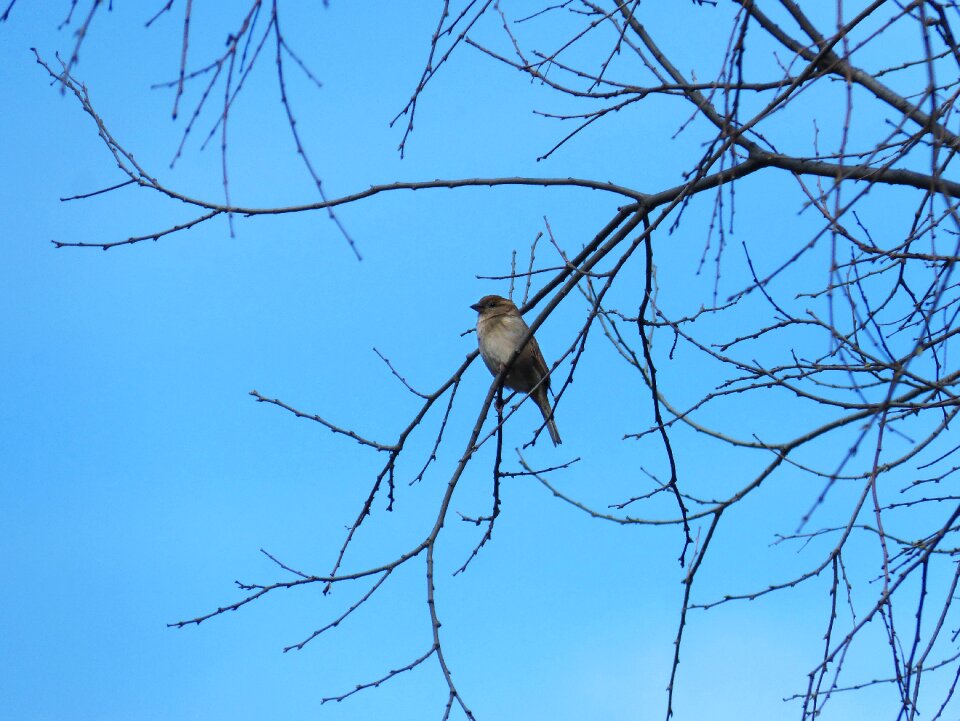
[[138, 479]]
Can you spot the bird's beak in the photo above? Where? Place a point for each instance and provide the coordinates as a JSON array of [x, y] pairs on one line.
[[476, 307]]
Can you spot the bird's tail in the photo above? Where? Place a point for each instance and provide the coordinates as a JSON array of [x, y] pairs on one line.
[[554, 433], [547, 412]]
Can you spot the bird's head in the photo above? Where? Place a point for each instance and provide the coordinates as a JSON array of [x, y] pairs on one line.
[[494, 305]]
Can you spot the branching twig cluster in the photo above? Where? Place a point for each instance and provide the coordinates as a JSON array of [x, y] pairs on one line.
[[847, 331]]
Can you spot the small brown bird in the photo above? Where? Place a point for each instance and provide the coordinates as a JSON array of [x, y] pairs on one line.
[[500, 329]]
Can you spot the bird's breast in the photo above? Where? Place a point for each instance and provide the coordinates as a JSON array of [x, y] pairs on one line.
[[499, 338]]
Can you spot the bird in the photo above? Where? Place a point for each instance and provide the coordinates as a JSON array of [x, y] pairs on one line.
[[500, 329]]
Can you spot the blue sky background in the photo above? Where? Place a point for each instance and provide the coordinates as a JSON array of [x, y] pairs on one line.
[[138, 479]]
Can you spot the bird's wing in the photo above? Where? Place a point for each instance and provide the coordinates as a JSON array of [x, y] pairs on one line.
[[538, 363]]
